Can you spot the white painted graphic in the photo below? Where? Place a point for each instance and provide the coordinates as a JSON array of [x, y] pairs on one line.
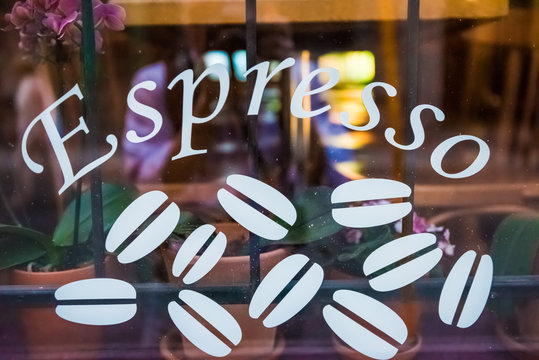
[[396, 251], [192, 246], [417, 127], [186, 78], [366, 190], [265, 196], [201, 251], [197, 333], [477, 165], [134, 216], [96, 289], [57, 142], [275, 282], [370, 106], [453, 289], [371, 311]]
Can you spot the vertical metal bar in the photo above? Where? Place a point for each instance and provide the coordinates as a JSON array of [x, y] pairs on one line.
[[250, 29], [89, 66], [412, 69], [284, 123]]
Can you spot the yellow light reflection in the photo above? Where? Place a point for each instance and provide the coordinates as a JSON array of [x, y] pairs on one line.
[[349, 169], [355, 67], [349, 141]]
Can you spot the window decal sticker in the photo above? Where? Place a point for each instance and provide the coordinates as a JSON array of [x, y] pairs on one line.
[[264, 195], [192, 246], [401, 274], [196, 332], [283, 274], [373, 312], [133, 217], [453, 290], [275, 282], [94, 291], [371, 213]]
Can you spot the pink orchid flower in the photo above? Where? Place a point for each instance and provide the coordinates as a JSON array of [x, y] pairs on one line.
[[45, 22], [110, 15], [20, 14], [58, 23]]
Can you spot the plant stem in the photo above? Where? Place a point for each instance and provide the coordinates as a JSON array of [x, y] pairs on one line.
[[88, 47]]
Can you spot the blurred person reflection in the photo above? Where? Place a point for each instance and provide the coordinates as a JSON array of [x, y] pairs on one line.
[[35, 196], [225, 136]]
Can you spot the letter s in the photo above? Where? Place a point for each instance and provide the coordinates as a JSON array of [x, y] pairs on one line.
[[372, 109], [143, 110], [417, 127]]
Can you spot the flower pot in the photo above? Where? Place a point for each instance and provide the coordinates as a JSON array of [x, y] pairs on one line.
[[519, 333], [257, 340], [171, 348], [408, 310], [47, 333], [407, 351], [528, 317], [521, 349]]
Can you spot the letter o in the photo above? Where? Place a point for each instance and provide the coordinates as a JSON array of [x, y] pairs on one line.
[[441, 150]]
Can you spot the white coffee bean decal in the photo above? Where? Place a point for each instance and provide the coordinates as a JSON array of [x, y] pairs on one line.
[[367, 190], [197, 333], [265, 196], [361, 322], [96, 290], [155, 233], [275, 282], [454, 287], [397, 250], [373, 312], [191, 247]]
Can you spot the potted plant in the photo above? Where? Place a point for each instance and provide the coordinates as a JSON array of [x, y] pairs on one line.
[[39, 259], [514, 251], [313, 224], [345, 254]]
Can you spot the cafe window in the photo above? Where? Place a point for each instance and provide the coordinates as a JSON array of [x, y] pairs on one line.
[[269, 179]]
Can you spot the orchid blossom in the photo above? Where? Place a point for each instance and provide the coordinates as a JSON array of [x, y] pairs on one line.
[[45, 22]]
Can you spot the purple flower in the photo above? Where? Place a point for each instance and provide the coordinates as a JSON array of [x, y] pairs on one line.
[[69, 6], [376, 202], [110, 15], [41, 23], [353, 236], [44, 5], [445, 245], [419, 224], [20, 14], [59, 23]]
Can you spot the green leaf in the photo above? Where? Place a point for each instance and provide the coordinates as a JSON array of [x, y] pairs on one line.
[[314, 220], [515, 245], [115, 199], [187, 224], [383, 237], [514, 249], [19, 245]]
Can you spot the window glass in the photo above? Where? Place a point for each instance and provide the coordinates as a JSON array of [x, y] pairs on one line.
[[269, 179]]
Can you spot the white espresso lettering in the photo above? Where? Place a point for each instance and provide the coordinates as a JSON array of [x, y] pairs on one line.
[[370, 106], [143, 110], [262, 79], [57, 142], [441, 150], [296, 105], [188, 118], [417, 127]]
